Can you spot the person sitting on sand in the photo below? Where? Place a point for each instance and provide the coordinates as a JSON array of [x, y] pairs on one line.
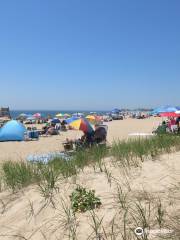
[[172, 125], [161, 129], [51, 131], [63, 125]]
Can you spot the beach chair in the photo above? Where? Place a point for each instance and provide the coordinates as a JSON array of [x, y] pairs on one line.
[[100, 135], [32, 135]]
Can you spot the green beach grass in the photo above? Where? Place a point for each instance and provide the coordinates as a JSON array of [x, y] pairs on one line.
[[130, 153], [132, 210]]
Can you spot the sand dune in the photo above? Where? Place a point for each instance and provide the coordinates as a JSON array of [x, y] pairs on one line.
[[24, 215]]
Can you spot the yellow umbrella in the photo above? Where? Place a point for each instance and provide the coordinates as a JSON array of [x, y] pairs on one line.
[[91, 117], [59, 115]]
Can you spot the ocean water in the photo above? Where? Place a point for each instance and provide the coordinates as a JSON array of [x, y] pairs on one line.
[[16, 113]]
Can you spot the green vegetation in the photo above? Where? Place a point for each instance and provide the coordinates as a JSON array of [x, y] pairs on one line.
[[83, 200], [131, 153], [132, 209], [18, 174]]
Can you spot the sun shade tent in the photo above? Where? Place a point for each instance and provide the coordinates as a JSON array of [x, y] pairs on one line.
[[12, 131]]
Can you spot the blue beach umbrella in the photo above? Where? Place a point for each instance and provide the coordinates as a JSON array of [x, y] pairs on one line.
[[164, 109], [55, 120]]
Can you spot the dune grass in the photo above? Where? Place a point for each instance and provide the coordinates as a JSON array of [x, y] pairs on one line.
[[132, 211], [129, 152], [17, 175]]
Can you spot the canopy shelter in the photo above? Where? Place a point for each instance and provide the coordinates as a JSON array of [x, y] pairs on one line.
[[12, 131]]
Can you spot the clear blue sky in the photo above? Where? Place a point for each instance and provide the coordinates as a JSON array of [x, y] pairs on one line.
[[89, 54]]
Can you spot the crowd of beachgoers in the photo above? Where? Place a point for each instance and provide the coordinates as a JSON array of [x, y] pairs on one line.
[[38, 125]]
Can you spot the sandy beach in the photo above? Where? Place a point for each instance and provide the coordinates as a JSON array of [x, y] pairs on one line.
[[116, 130], [26, 215]]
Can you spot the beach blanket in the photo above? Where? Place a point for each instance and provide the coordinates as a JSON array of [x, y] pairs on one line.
[[45, 158]]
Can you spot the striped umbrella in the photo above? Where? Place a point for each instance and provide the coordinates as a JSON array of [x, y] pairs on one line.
[[82, 124]]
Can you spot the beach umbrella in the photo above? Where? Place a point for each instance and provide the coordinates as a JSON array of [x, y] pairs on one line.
[[93, 118], [22, 116], [78, 114], [37, 115], [67, 115], [170, 114], [82, 124], [70, 120], [116, 110], [59, 115], [31, 118], [55, 120], [164, 109]]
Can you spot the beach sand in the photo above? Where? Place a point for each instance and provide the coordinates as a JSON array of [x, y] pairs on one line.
[[24, 214], [116, 130]]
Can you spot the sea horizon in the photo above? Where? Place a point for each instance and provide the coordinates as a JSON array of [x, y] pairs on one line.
[[16, 113]]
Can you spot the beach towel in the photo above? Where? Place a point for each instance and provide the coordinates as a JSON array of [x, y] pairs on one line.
[[45, 158]]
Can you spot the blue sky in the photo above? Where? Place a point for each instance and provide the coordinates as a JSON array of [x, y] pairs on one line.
[[89, 54]]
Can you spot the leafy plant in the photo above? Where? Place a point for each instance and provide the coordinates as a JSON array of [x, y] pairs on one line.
[[83, 200]]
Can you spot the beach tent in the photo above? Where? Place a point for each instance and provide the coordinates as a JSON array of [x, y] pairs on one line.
[[12, 131]]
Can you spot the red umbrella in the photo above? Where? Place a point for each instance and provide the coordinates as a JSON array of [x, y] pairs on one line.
[[169, 114]]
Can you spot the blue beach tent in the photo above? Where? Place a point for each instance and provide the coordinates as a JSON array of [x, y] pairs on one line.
[[12, 131]]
